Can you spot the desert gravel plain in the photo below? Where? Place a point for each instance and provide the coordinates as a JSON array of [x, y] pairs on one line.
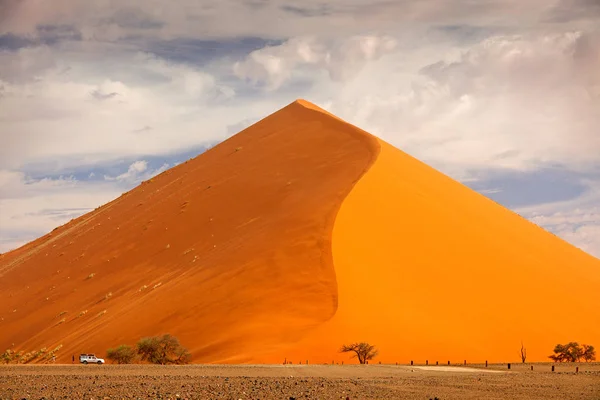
[[298, 382]]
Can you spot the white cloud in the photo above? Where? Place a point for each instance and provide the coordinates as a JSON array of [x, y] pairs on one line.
[[512, 101], [14, 184], [31, 208], [133, 172], [576, 221], [26, 63], [85, 115], [491, 191], [343, 59], [517, 102], [137, 172], [586, 237]]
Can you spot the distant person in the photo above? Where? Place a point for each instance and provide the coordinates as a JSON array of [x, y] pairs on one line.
[[73, 359]]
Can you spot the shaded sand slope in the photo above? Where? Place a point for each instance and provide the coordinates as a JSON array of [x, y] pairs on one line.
[[231, 251], [428, 269]]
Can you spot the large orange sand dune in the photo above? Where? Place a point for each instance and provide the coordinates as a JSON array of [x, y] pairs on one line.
[[295, 236]]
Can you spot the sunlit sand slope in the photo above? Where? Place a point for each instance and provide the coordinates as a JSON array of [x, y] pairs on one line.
[[230, 252], [428, 269]]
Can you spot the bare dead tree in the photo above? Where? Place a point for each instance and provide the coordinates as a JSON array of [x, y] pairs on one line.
[[523, 353], [364, 351]]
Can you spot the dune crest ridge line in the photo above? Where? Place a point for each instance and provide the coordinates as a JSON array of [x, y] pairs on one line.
[[230, 251]]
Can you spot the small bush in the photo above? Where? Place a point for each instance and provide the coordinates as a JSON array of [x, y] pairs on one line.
[[52, 354], [123, 354], [27, 357], [7, 357]]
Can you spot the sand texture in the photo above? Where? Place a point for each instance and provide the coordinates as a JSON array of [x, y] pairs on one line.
[[297, 235]]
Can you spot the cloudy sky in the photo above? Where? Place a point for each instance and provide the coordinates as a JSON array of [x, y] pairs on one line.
[[97, 95]]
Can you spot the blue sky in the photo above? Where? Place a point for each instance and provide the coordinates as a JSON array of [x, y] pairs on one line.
[[502, 95]]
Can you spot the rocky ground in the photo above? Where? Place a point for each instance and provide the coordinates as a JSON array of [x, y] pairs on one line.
[[296, 382]]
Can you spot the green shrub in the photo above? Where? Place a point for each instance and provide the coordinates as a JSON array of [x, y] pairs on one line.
[[573, 352], [123, 354]]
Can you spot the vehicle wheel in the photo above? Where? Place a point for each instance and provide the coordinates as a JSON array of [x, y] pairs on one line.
[[99, 362], [85, 362]]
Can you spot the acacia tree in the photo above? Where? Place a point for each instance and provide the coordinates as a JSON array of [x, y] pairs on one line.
[[363, 351], [163, 350], [123, 354], [572, 352], [589, 353]]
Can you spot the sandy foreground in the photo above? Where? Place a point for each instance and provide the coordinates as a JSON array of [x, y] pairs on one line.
[[298, 382]]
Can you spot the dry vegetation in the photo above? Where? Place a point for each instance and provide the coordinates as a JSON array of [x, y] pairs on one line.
[[363, 351], [11, 356]]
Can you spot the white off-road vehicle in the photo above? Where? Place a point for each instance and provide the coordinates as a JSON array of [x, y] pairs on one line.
[[90, 358]]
